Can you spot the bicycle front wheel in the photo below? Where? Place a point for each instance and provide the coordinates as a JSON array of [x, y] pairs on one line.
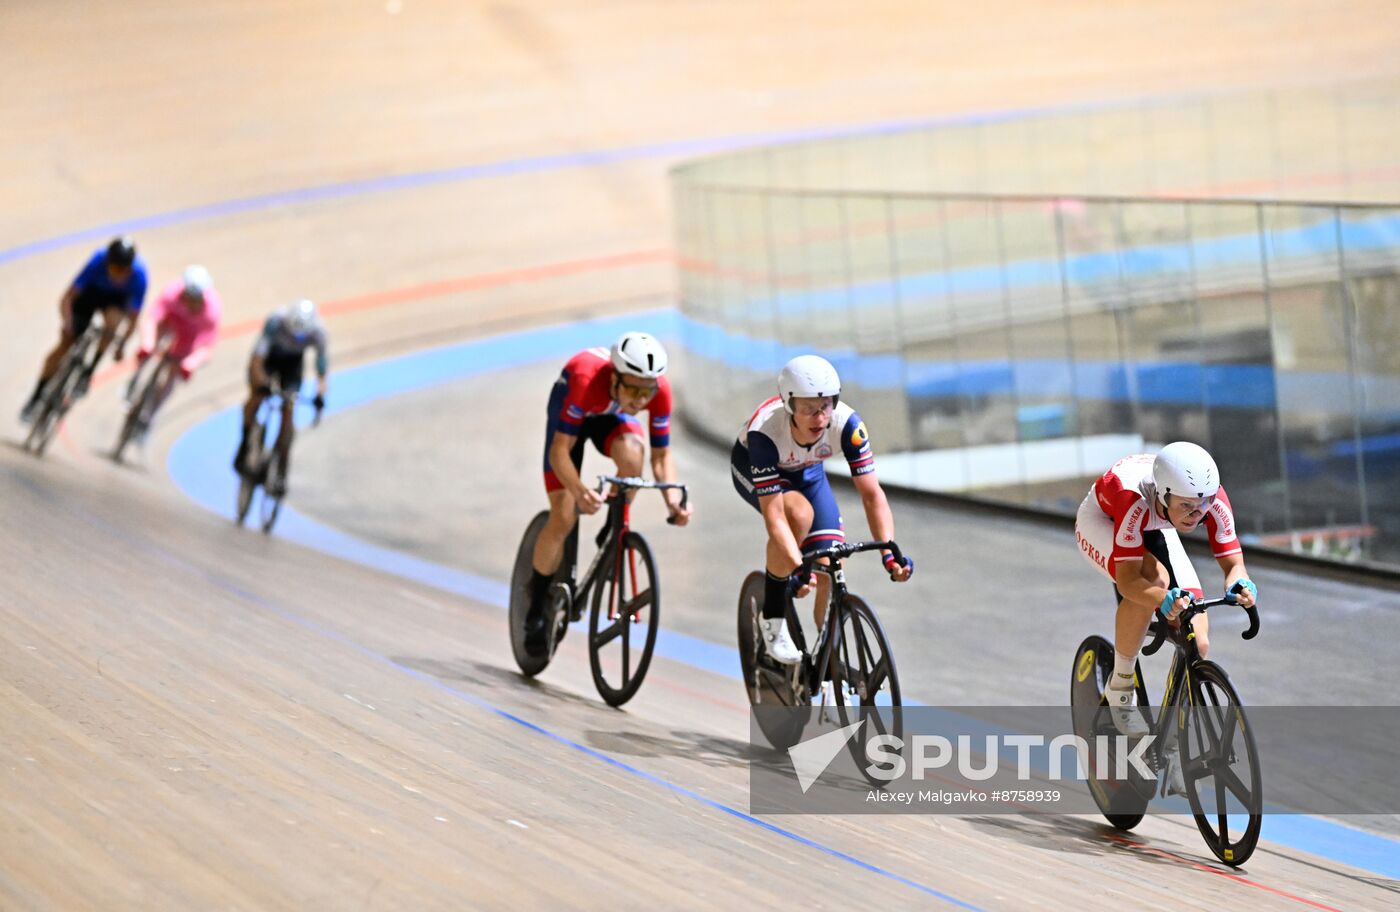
[[138, 415], [1220, 765], [247, 479], [623, 621], [276, 480], [864, 680]]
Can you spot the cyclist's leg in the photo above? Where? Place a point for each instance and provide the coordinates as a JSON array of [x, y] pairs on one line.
[[286, 433], [256, 395], [286, 373], [563, 511], [1093, 533], [622, 442], [777, 564], [84, 306], [112, 316], [824, 528]]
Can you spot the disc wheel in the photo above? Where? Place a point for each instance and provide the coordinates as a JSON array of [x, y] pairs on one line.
[[1120, 802], [774, 690], [530, 662]]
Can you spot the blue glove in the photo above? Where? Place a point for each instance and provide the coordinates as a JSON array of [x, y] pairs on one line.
[[1244, 584], [1172, 595], [889, 564]]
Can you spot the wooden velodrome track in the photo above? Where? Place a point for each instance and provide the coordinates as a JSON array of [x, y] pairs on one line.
[[194, 717]]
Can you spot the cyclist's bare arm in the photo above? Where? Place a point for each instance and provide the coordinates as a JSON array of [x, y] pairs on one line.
[[663, 468], [257, 373], [878, 515], [1138, 589], [1232, 565], [587, 499]]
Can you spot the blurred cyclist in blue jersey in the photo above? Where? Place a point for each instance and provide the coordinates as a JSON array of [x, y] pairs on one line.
[[113, 283]]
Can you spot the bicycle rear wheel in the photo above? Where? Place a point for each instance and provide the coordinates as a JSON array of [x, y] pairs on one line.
[[1221, 766], [1121, 804], [772, 688], [138, 415], [864, 679], [530, 663], [623, 621]]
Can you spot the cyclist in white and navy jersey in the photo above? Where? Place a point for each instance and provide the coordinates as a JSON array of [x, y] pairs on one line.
[[279, 355], [777, 465]]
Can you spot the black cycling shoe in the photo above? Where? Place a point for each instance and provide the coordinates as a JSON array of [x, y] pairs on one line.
[[537, 627]]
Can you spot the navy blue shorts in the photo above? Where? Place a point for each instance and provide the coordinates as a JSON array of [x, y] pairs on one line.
[[812, 484]]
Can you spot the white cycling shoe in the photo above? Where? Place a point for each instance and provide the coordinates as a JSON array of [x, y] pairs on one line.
[[778, 642], [1122, 709]]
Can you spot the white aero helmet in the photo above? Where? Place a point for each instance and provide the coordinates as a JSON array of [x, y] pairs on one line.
[[1186, 470], [640, 355], [301, 319], [808, 376], [197, 282]]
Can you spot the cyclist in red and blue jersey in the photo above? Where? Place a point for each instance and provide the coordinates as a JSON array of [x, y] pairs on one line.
[[112, 282], [777, 467], [597, 398]]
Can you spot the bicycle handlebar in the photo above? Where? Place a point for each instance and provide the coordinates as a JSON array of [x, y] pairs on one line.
[[842, 550], [642, 483], [1160, 627]]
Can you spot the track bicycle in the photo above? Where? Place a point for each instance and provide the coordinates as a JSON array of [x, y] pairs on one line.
[[265, 467], [852, 653], [142, 405], [621, 585], [61, 391], [1200, 717]]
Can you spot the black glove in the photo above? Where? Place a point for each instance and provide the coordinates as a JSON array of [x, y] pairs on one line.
[[319, 402]]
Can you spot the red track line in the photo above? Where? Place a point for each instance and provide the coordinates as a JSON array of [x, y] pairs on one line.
[[1123, 840]]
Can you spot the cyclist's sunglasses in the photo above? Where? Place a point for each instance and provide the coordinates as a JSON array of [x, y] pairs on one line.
[[1188, 505], [633, 390]]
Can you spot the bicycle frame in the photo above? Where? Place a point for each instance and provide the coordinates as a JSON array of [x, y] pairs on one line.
[[1186, 657], [811, 669], [615, 529]]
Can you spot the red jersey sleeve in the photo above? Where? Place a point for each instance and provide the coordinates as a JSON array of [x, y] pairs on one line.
[[659, 411], [1220, 525], [1130, 512]]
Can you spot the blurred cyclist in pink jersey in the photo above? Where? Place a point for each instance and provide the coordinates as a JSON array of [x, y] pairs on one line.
[[188, 311]]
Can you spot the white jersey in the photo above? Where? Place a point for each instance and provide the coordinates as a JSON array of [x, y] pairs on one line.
[[777, 460]]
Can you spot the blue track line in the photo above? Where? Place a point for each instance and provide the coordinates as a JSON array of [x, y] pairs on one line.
[[211, 443]]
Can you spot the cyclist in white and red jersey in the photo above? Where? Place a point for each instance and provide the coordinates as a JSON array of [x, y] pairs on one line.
[[777, 467], [1128, 526], [597, 398]]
